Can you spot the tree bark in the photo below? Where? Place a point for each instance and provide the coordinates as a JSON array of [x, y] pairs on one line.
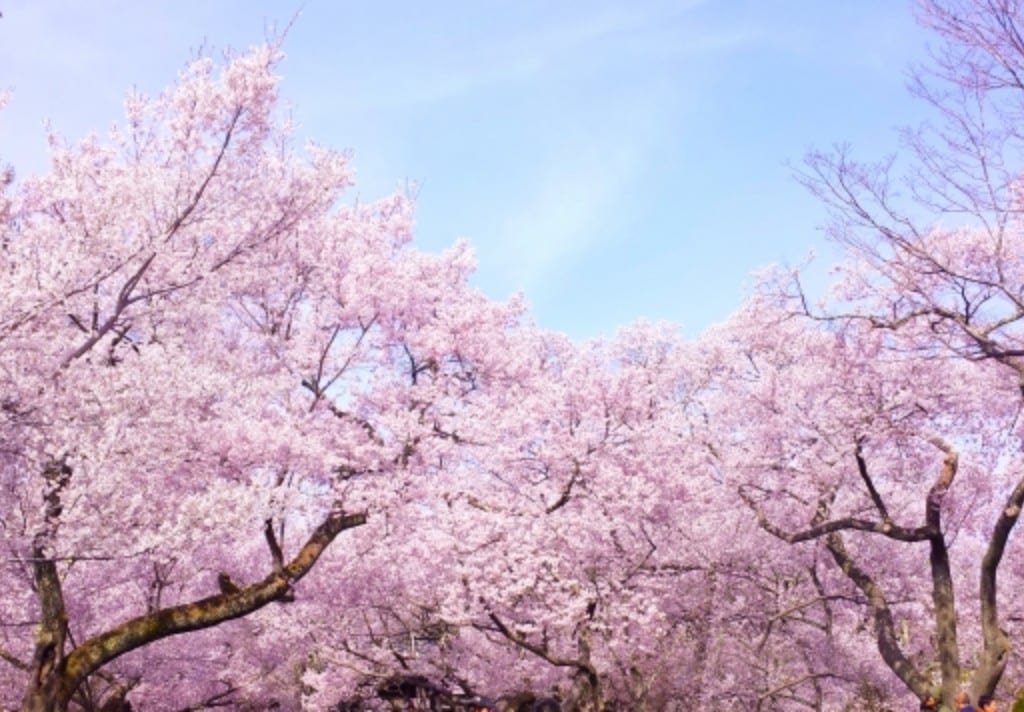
[[885, 630], [56, 677], [46, 685], [942, 579], [996, 651]]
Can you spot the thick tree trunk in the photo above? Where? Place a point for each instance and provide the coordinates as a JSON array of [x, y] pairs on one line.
[[45, 698], [702, 638], [943, 597], [47, 689]]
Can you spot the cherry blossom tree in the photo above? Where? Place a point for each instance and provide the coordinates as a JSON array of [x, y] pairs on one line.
[[256, 450], [883, 422], [210, 368], [596, 553], [837, 440]]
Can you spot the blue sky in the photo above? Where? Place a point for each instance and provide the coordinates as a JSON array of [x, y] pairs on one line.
[[610, 160]]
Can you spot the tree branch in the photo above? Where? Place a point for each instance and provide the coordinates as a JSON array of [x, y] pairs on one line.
[[996, 652], [13, 660], [580, 665], [205, 613], [885, 632], [862, 467], [566, 493], [817, 531]]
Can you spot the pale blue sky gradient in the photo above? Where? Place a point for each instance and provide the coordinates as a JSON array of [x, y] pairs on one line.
[[611, 160]]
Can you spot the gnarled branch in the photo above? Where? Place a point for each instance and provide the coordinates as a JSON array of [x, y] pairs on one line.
[[205, 613], [817, 531]]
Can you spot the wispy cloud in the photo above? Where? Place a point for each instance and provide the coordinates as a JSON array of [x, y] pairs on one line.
[[576, 195], [516, 46], [579, 195]]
